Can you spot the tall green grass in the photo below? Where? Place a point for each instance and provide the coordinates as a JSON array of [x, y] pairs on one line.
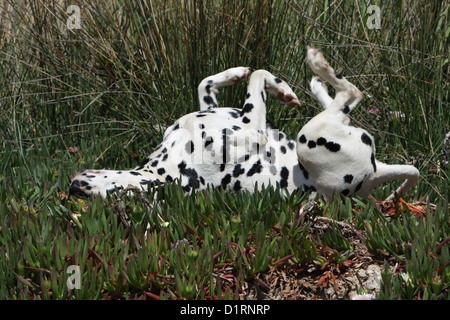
[[112, 86]]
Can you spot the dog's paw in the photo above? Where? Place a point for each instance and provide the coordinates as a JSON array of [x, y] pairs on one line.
[[316, 60], [282, 92], [235, 75], [287, 97], [318, 86]]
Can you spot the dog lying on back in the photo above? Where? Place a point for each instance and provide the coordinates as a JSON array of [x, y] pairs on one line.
[[238, 149]]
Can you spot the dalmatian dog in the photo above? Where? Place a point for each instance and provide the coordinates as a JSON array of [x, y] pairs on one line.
[[238, 149]]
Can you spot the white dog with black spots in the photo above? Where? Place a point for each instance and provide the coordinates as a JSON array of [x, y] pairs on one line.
[[238, 149]]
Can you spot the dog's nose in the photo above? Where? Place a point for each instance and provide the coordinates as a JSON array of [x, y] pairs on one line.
[[76, 191]]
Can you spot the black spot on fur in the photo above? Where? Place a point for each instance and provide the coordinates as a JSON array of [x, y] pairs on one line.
[[283, 149], [302, 139], [210, 101], [236, 128], [154, 163], [134, 173], [311, 144], [192, 175], [234, 114], [256, 168], [237, 186], [284, 174], [161, 171], [182, 166], [348, 178], [345, 192], [189, 147], [333, 147], [338, 75], [291, 145], [201, 126], [247, 108], [366, 139], [321, 141], [245, 120], [201, 115], [346, 109], [177, 126], [263, 96], [277, 80], [226, 180], [238, 170]]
